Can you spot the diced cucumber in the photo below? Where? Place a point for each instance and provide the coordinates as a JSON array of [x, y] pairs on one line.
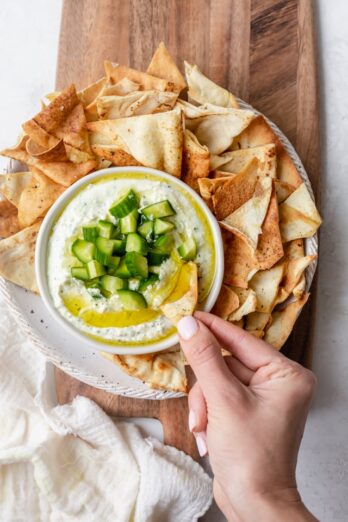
[[136, 264], [124, 205], [102, 258], [90, 232], [146, 230], [105, 245], [93, 283], [114, 261], [122, 270], [80, 273], [136, 243], [158, 210], [164, 243], [132, 300], [161, 226], [128, 224], [83, 250], [105, 293], [144, 283], [112, 283], [95, 269], [105, 228], [119, 246], [188, 250], [156, 258]]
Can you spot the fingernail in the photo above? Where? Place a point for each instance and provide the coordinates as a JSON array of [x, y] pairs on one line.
[[187, 327], [201, 443], [192, 420]]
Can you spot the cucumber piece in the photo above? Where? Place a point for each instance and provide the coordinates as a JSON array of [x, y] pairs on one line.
[[136, 243], [161, 226], [102, 258], [132, 300], [83, 250], [114, 261], [93, 283], [188, 250], [164, 243], [106, 246], [122, 270], [156, 258], [90, 232], [158, 210], [105, 293], [119, 246], [80, 273], [128, 224], [112, 284], [144, 283], [124, 205], [95, 269], [146, 230], [105, 228], [136, 264]]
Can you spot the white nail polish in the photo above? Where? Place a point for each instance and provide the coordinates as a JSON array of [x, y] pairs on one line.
[[201, 443], [192, 420]]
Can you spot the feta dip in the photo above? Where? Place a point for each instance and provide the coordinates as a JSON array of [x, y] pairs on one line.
[[83, 293]]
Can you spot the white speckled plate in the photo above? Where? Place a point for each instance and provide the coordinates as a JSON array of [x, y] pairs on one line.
[[72, 356]]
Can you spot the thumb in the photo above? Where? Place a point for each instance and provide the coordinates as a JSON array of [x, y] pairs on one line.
[[203, 353]]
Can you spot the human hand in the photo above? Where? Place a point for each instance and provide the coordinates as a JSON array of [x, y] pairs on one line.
[[249, 412]]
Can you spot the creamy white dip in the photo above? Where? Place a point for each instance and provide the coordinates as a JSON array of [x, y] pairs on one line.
[[91, 204]]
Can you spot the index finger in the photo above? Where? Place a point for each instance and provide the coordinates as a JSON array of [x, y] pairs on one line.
[[252, 352]]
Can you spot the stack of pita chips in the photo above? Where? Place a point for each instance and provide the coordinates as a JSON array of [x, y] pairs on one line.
[[231, 157]]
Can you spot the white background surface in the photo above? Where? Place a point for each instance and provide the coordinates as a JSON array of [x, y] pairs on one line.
[[28, 51]]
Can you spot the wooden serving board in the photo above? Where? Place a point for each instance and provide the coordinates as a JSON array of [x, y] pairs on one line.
[[262, 50]]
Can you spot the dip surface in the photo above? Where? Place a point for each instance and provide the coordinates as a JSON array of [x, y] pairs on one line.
[[102, 318]]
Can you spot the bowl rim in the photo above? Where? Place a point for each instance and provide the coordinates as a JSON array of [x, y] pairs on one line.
[[41, 257]]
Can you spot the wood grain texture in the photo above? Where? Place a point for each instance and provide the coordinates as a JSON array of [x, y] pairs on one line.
[[262, 50]]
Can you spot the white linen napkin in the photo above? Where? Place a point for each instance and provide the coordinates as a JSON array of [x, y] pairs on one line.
[[73, 463]]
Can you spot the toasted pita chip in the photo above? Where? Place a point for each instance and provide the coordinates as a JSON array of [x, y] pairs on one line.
[[247, 220], [195, 161], [260, 133], [215, 126], [17, 258], [221, 174], [121, 88], [202, 90], [236, 191], [247, 303], [135, 104], [281, 296], [270, 248], [236, 161], [91, 92], [257, 321], [300, 288], [13, 184], [208, 186], [239, 260], [164, 371], [63, 173], [299, 216], [163, 66], [265, 284], [181, 303], [115, 73], [154, 140], [226, 303], [116, 156], [257, 333], [56, 153], [19, 151], [295, 265], [283, 190], [37, 197], [283, 322], [9, 224]]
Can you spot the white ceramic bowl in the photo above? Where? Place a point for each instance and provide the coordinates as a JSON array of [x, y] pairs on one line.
[[41, 260]]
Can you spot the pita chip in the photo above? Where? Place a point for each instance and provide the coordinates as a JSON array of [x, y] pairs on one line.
[[134, 104], [154, 140], [299, 216], [202, 90], [91, 92], [180, 305], [283, 190], [8, 219], [270, 247], [13, 184], [56, 153], [163, 66], [248, 219], [63, 173], [257, 321], [295, 265], [259, 133], [195, 161], [300, 288], [239, 260], [237, 160], [265, 284], [164, 371], [115, 73], [247, 303], [37, 197], [17, 258], [19, 151], [227, 302], [283, 322]]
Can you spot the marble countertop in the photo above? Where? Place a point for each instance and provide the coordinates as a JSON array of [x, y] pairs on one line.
[[28, 49]]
